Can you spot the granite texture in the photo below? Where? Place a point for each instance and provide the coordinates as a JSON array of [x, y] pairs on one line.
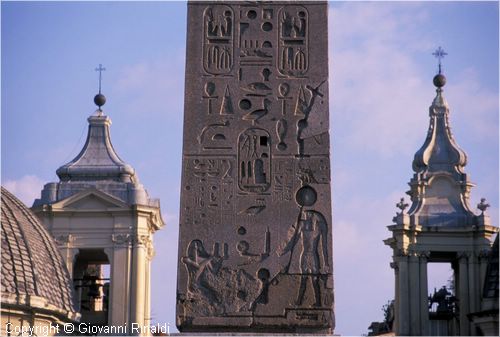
[[255, 246]]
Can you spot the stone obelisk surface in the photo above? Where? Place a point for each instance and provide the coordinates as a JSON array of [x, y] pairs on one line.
[[255, 246]]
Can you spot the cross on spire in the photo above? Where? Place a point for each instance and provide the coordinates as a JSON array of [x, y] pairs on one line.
[[483, 205], [439, 54], [402, 205], [100, 70]]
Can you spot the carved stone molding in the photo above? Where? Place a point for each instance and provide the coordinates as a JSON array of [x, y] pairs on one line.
[[150, 251], [136, 240], [483, 254], [464, 256], [147, 242], [64, 240], [401, 252], [144, 240], [121, 239], [424, 255]]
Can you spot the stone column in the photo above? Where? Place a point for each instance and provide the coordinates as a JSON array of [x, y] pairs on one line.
[[147, 301], [138, 285], [403, 297], [483, 264], [474, 292], [463, 294], [77, 273], [395, 324], [120, 262], [414, 294], [68, 252], [424, 308], [70, 256]]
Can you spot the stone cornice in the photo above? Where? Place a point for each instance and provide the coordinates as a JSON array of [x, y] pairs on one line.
[[37, 305]]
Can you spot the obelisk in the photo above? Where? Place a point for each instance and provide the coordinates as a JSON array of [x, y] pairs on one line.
[[255, 245]]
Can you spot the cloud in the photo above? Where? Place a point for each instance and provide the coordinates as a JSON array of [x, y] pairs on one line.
[[27, 188], [380, 93], [379, 100], [153, 86], [364, 282], [472, 104]]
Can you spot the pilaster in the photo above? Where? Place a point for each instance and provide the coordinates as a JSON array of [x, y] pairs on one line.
[[414, 294], [403, 300], [120, 280], [423, 299], [138, 289], [463, 293]]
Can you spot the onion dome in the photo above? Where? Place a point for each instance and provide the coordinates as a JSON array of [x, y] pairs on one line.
[[440, 150], [34, 276], [440, 187]]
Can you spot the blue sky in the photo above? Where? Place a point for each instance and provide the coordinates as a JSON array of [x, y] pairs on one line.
[[381, 71]]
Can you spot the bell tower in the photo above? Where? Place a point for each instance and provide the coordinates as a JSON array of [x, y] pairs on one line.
[[439, 226], [103, 221]]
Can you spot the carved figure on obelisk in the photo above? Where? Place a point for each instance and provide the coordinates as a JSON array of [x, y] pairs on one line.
[[309, 232], [255, 249]]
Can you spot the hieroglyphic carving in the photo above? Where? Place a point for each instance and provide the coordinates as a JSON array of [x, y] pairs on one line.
[[257, 114], [257, 89], [310, 232], [303, 108], [209, 190], [208, 279], [293, 41], [284, 90], [255, 36], [243, 248], [213, 136], [283, 178], [255, 246], [313, 170], [254, 160], [218, 39], [226, 107], [281, 129], [209, 96]]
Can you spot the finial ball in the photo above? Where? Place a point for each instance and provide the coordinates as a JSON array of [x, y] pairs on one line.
[[99, 100], [439, 80]]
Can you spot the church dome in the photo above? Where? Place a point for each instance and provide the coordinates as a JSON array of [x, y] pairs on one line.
[[34, 277], [440, 187]]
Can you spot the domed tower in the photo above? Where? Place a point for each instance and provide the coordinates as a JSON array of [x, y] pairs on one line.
[[439, 226], [103, 221], [36, 287]]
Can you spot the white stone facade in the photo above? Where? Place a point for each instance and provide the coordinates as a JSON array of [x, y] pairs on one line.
[[439, 227], [100, 215]]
